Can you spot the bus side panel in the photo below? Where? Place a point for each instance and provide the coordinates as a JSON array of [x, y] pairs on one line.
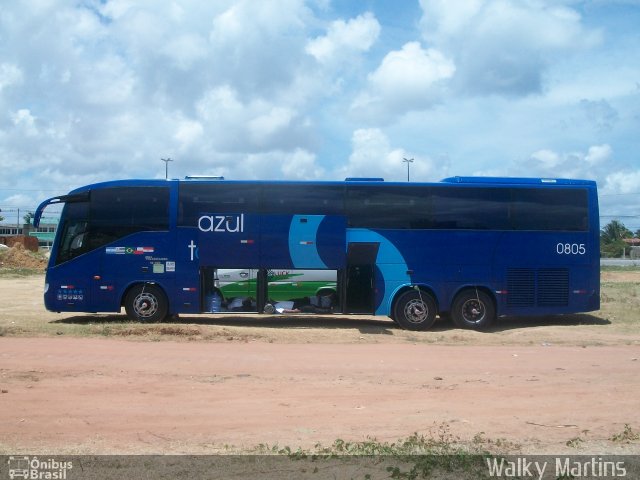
[[445, 261], [528, 273], [138, 258], [302, 241], [229, 240], [543, 273], [97, 280], [391, 268], [187, 293], [69, 285]]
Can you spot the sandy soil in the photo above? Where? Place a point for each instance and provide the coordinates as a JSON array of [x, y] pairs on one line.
[[310, 382]]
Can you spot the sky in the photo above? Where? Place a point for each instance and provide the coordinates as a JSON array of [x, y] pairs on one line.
[[96, 90]]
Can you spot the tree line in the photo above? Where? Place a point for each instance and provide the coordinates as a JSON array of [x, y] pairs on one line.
[[612, 237]]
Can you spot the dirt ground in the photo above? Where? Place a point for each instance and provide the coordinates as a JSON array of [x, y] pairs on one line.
[[234, 383]]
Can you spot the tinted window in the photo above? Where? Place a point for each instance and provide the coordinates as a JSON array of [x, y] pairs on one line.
[[309, 199], [549, 209], [74, 224], [470, 208], [467, 208], [388, 207], [196, 199], [118, 212]]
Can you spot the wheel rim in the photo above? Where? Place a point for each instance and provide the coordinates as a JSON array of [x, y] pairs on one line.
[[416, 311], [473, 311], [145, 305]]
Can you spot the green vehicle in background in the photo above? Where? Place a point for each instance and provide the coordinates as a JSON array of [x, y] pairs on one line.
[[282, 284]]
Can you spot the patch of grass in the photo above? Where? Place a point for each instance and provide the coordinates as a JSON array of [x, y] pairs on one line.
[[439, 441], [159, 330], [416, 456], [627, 435], [619, 268], [19, 272], [574, 442], [620, 302]]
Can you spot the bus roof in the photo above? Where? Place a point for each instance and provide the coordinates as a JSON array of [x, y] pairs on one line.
[[366, 181], [518, 181]]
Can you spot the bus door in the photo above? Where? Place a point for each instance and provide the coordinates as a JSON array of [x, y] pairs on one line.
[[358, 279]]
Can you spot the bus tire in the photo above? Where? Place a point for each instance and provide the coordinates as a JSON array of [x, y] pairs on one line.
[[415, 310], [473, 309], [146, 303], [325, 291]]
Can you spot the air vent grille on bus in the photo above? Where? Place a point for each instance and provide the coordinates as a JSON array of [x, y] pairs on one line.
[[521, 285], [553, 287], [545, 287]]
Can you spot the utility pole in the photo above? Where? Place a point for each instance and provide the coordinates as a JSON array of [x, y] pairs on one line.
[[407, 161], [166, 167]]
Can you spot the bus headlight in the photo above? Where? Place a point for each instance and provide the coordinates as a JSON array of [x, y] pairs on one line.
[[46, 287]]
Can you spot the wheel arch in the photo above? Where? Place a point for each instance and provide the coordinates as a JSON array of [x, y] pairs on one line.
[[137, 283]]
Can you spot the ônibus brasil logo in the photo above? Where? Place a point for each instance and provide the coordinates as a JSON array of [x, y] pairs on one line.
[[35, 468]]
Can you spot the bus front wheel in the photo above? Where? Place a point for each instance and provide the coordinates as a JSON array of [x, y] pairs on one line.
[[415, 310], [146, 303], [473, 309]]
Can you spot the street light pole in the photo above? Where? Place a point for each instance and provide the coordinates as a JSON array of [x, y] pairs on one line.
[[166, 167], [407, 161]]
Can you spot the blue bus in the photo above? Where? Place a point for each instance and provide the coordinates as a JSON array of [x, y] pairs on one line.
[[468, 248]]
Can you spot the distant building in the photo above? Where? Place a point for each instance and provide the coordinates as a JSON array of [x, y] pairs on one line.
[[45, 233], [634, 247]]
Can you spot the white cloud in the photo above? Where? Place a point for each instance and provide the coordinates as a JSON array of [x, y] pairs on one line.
[[9, 74], [265, 125], [594, 164], [301, 165], [233, 125], [186, 49], [373, 156], [500, 46], [547, 159], [259, 46], [412, 68], [598, 155], [25, 122], [297, 165], [188, 132], [345, 38], [407, 79], [107, 81], [623, 182]]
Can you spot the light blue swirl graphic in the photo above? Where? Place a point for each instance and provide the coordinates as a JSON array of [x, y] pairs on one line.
[[303, 242], [389, 261]]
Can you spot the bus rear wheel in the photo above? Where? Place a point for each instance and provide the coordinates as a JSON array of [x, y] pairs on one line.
[[473, 309], [146, 303], [415, 310]]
